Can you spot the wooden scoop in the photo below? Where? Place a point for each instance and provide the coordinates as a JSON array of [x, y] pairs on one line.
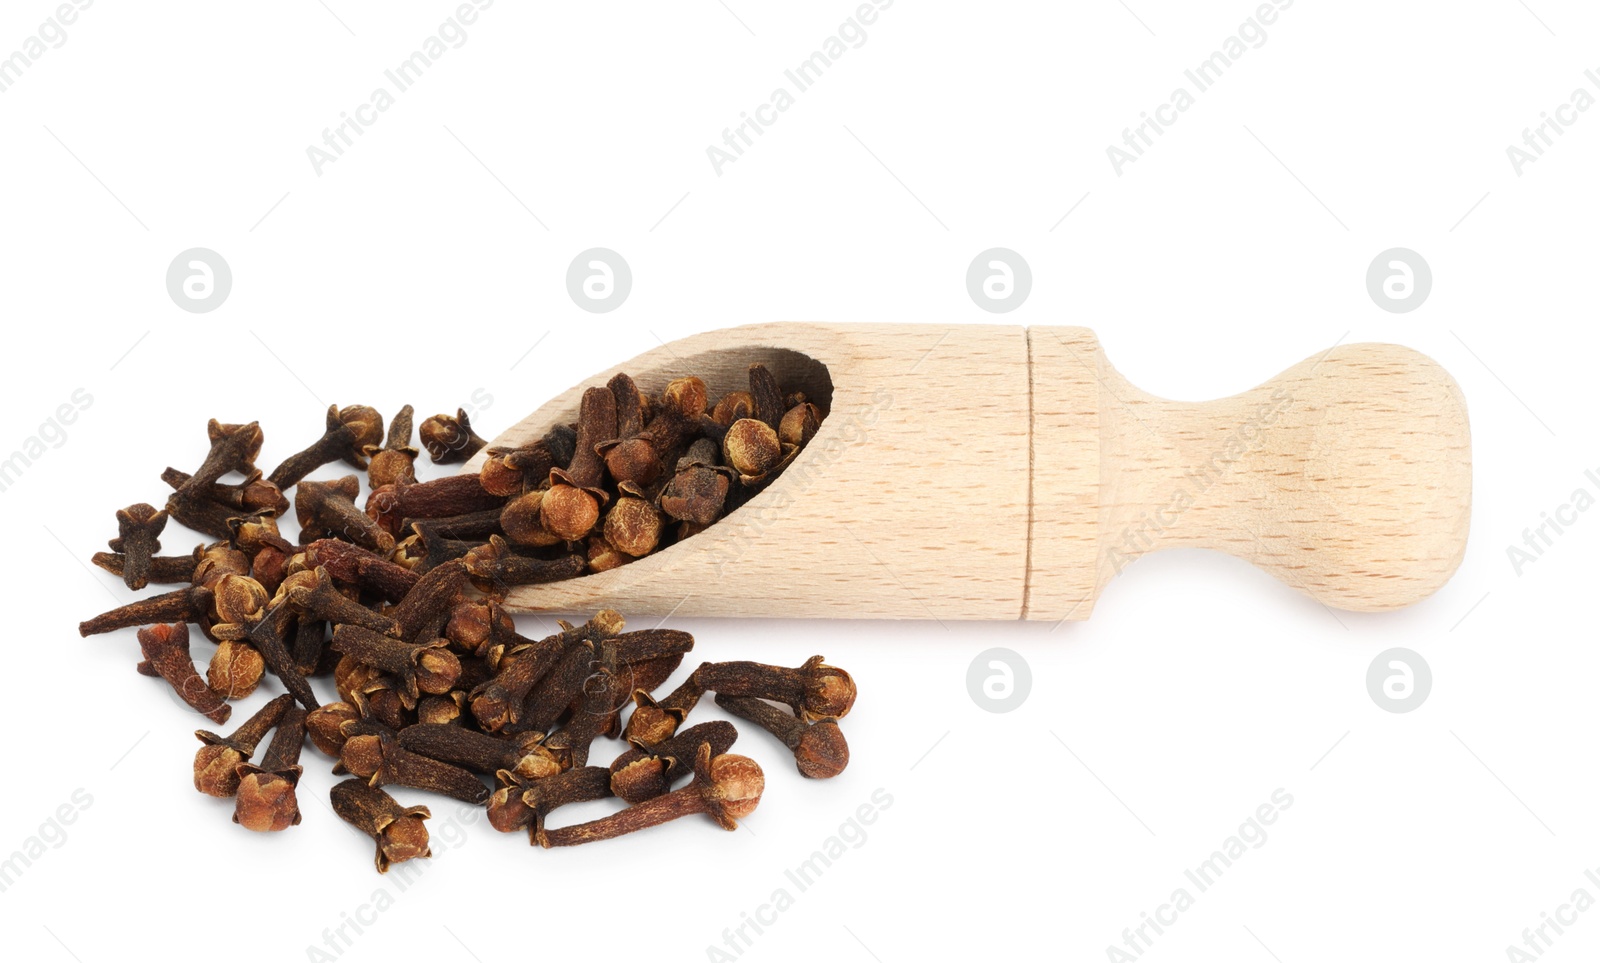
[[1001, 472]]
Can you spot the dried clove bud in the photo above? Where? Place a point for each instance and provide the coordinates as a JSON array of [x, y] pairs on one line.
[[512, 471], [396, 460], [500, 701], [820, 750], [799, 424], [733, 406], [633, 525], [440, 498], [449, 439], [162, 569], [183, 605], [349, 432], [430, 667], [524, 803], [138, 540], [317, 599], [814, 691], [166, 654], [392, 765], [567, 510], [427, 606], [330, 507], [442, 710], [233, 448], [767, 395], [597, 423], [500, 567], [235, 670], [397, 830], [266, 801], [239, 602], [751, 447], [251, 496], [522, 523], [268, 637], [355, 566], [217, 760], [523, 754], [323, 726], [641, 774], [727, 788]]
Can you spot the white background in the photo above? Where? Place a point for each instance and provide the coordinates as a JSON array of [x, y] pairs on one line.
[[421, 265]]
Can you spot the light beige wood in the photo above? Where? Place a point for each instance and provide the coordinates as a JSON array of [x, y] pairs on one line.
[[997, 472]]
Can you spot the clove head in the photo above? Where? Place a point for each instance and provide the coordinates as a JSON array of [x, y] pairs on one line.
[[522, 522], [266, 801], [324, 726], [821, 751], [235, 670], [633, 525], [216, 769], [730, 784], [733, 406], [799, 424], [751, 447], [567, 511], [830, 693], [449, 439], [651, 723]]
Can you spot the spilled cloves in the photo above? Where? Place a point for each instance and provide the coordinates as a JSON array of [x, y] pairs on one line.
[[404, 601]]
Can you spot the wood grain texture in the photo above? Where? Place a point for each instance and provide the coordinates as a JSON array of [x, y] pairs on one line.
[[997, 472], [1348, 476]]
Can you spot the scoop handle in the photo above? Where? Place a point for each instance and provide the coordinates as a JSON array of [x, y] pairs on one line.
[[1348, 476]]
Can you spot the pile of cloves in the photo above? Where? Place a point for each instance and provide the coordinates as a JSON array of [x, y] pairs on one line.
[[401, 603]]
